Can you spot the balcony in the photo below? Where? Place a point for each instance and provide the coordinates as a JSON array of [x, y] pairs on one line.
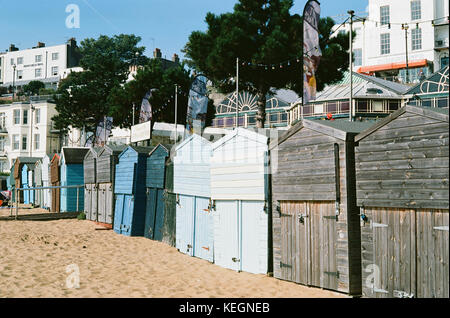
[[441, 44]]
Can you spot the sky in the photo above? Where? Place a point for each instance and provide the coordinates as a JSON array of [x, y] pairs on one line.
[[163, 24]]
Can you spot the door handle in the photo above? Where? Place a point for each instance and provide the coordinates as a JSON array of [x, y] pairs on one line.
[[301, 218]]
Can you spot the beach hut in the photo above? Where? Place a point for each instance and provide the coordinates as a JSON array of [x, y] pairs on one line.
[[402, 174], [194, 222], [129, 191], [37, 180], [239, 190], [45, 176], [107, 159], [155, 183], [316, 230], [55, 181], [170, 205], [90, 186], [18, 174], [72, 173]]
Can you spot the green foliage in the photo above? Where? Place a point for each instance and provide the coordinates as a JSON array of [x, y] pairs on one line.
[[261, 32], [152, 75], [33, 87], [81, 216], [82, 100]]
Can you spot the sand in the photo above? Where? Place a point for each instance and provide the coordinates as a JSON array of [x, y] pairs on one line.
[[41, 259]]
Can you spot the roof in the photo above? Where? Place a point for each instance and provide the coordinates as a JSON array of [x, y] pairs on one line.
[[340, 129], [74, 155], [434, 113], [31, 160], [167, 147], [364, 86], [114, 149], [392, 66], [189, 139], [140, 150], [249, 134], [436, 83]]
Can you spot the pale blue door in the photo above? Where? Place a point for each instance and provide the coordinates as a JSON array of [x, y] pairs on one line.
[[226, 235], [204, 239], [185, 224]]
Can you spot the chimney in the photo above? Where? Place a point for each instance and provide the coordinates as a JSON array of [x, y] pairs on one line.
[[176, 59], [40, 44], [157, 53], [72, 42], [12, 48]]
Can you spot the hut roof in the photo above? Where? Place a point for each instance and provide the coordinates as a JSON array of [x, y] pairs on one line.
[[167, 147], [31, 160], [74, 155], [188, 140], [341, 129], [249, 134], [431, 112], [139, 150]]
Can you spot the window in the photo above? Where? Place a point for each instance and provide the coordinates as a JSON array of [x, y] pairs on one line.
[[54, 70], [2, 120], [24, 142], [384, 15], [357, 53], [19, 74], [38, 58], [25, 117], [15, 140], [16, 116], [37, 142], [19, 60], [415, 10], [12, 62], [55, 56], [444, 61], [2, 143], [37, 72], [385, 46], [416, 39], [38, 116]]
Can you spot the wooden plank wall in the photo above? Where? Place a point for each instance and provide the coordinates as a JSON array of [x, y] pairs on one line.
[[405, 164], [156, 164], [169, 227], [105, 164], [89, 168], [306, 172]]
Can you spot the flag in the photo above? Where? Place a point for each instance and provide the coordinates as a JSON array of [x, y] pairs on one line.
[[197, 105], [146, 108], [311, 49], [103, 131]]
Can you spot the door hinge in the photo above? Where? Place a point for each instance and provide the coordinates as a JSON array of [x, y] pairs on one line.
[[235, 260], [285, 265], [441, 228], [331, 217], [205, 248], [374, 225], [402, 294], [332, 273], [379, 290]]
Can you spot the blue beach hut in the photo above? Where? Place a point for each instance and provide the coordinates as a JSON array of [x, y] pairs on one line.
[[194, 222], [129, 191], [72, 173]]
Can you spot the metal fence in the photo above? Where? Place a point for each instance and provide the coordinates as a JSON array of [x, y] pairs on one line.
[[17, 196]]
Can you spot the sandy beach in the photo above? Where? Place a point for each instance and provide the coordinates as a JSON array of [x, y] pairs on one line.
[[42, 258]]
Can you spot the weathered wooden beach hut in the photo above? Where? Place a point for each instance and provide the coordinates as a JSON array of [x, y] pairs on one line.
[[90, 183], [170, 204], [129, 191], [18, 176], [402, 174], [194, 222], [55, 181], [155, 184], [107, 159], [239, 190], [45, 178], [37, 180], [72, 174], [316, 230]]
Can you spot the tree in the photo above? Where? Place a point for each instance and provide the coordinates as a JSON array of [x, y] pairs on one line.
[[152, 76], [262, 32], [33, 87], [82, 100]]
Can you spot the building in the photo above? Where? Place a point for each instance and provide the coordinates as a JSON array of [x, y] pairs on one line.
[[26, 131], [277, 107], [41, 63], [2, 64], [372, 97], [380, 44]]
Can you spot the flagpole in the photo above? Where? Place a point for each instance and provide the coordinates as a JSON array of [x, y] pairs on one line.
[[237, 92], [176, 113]]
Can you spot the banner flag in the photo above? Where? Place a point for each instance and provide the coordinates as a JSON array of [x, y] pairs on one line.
[[103, 131], [197, 105], [146, 108], [311, 49]]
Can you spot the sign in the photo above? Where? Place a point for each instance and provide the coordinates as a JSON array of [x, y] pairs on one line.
[[141, 132]]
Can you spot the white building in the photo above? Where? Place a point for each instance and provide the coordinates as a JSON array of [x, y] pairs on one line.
[[26, 130], [2, 63], [380, 44], [41, 63]]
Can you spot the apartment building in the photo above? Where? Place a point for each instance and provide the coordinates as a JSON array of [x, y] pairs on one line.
[[26, 130]]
